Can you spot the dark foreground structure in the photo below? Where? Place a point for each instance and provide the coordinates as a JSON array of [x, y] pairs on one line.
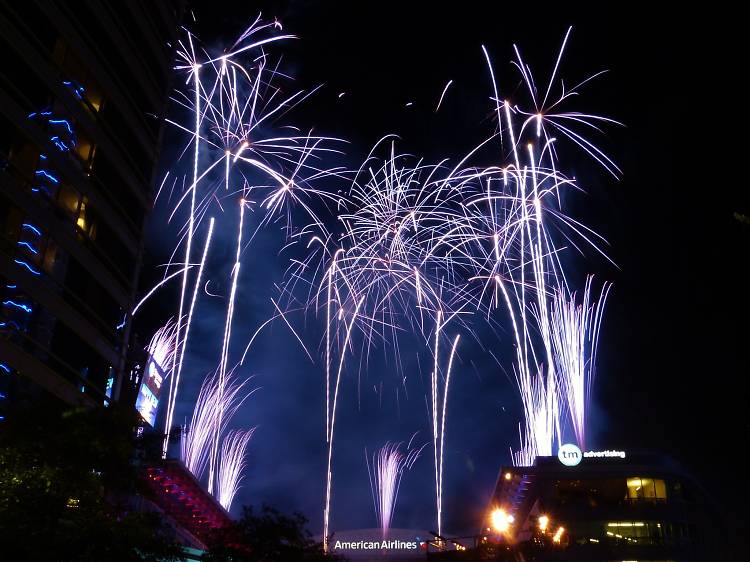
[[84, 87], [605, 506], [83, 90]]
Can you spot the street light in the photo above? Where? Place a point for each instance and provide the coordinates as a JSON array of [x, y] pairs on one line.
[[501, 520], [558, 535]]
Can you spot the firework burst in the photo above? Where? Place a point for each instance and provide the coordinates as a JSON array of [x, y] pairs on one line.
[[410, 248]]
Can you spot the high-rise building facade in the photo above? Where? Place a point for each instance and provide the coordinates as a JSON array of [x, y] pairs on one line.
[[83, 90], [602, 506]]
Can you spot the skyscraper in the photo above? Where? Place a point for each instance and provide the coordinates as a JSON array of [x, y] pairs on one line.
[[83, 89]]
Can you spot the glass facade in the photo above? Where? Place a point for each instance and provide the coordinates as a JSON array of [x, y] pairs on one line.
[[594, 492]]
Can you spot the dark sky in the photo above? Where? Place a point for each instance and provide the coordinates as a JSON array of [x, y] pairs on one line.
[[669, 375]]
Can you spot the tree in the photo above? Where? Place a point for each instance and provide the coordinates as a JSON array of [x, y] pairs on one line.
[[269, 537], [65, 479]]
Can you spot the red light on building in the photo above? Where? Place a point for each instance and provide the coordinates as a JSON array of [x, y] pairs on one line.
[[176, 491]]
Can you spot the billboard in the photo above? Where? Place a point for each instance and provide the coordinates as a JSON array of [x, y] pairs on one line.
[[150, 391]]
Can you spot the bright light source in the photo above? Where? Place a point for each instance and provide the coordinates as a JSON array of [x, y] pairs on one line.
[[501, 520], [558, 534], [508, 475], [543, 522]]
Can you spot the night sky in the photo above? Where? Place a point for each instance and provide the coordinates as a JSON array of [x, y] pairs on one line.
[[669, 375]]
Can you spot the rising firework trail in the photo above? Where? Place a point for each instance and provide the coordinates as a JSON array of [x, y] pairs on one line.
[[175, 381], [213, 459], [438, 427], [329, 436]]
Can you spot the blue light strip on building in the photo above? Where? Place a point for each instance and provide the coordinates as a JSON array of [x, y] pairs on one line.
[[27, 245], [61, 122], [27, 266], [20, 306], [47, 174], [58, 143], [32, 228]]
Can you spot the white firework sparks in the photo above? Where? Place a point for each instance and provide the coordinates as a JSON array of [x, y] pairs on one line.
[[388, 466], [575, 335]]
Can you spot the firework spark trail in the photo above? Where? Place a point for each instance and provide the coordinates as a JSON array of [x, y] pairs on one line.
[[388, 466], [174, 383], [195, 443], [232, 464], [196, 439], [439, 484], [434, 387], [442, 95], [575, 334], [213, 459], [327, 509], [176, 379], [161, 349], [156, 287]]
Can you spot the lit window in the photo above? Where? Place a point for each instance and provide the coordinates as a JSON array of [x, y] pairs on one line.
[[50, 256], [85, 150], [646, 488], [81, 222], [635, 532], [68, 198]]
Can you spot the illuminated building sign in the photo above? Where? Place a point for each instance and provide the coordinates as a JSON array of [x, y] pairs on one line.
[[570, 455], [149, 392], [108, 390], [604, 454]]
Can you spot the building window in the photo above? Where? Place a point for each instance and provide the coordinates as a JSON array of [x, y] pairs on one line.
[[646, 532], [640, 488], [80, 81], [69, 199], [85, 150]]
